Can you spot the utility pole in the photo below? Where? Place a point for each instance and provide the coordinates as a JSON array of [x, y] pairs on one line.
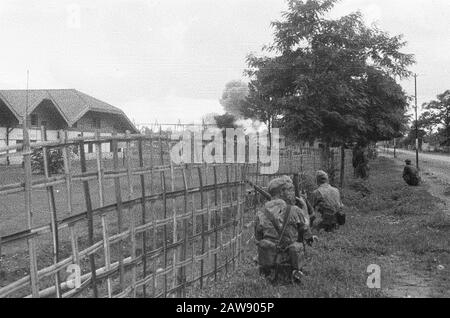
[[417, 129]]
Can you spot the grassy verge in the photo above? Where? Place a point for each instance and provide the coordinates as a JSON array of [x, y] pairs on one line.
[[402, 229]]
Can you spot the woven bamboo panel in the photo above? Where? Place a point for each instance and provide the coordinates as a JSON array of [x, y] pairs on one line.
[[132, 222]]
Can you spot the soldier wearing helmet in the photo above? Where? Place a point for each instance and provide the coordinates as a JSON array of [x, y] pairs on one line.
[[327, 202], [281, 227]]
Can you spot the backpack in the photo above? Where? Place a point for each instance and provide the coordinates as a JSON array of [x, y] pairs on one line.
[[270, 253]]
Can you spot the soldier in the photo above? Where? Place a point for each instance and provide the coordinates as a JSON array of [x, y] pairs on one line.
[[411, 174], [360, 162], [280, 229], [327, 202]]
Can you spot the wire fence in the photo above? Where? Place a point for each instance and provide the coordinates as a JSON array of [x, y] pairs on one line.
[[134, 225]]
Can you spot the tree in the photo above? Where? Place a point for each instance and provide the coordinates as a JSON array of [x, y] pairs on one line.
[[233, 97], [225, 121], [410, 139], [439, 114], [330, 79], [427, 122]]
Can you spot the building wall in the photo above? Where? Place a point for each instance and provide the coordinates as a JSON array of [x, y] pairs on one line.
[[108, 123], [47, 114], [6, 116]]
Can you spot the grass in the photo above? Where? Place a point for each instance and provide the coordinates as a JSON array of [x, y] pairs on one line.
[[388, 223]]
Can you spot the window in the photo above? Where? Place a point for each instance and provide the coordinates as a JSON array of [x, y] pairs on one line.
[[75, 125], [90, 148], [97, 123], [34, 120]]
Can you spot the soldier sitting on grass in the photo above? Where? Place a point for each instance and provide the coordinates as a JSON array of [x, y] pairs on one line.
[[327, 202], [411, 174]]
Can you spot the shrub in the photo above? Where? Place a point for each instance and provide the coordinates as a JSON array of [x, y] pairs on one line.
[[55, 161]]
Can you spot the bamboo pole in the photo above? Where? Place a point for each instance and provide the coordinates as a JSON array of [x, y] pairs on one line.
[[238, 215], [69, 199], [53, 215], [101, 193], [183, 250], [342, 166], [221, 226], [154, 242], [215, 222], [202, 225], [143, 218], [229, 200], [208, 220], [164, 192], [132, 213], [194, 225], [234, 249], [87, 197], [174, 227], [28, 208], [118, 193]]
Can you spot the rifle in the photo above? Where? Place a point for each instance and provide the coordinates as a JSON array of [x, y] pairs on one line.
[[309, 206], [260, 190], [268, 197]]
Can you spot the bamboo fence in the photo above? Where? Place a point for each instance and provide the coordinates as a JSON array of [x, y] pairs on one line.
[[136, 227]]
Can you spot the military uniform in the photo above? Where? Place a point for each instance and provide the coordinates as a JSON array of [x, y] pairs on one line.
[[360, 163], [297, 229], [327, 201], [411, 174]]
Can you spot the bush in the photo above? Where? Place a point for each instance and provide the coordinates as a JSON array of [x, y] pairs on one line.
[[55, 161]]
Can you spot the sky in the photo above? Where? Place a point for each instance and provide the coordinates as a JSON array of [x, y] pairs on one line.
[[169, 60]]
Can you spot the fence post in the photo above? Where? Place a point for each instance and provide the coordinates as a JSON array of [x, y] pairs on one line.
[[143, 207], [87, 197], [28, 207], [132, 211], [106, 245], [68, 181], [342, 166], [52, 207], [119, 203], [203, 225], [215, 223], [183, 250], [164, 193]]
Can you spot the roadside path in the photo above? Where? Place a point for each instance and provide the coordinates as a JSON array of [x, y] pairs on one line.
[[435, 172], [409, 282]]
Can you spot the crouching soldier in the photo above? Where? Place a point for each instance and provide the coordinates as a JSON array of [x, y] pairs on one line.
[[411, 174], [280, 229], [327, 202]]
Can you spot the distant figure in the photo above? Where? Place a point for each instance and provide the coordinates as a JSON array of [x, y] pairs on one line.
[[411, 174], [360, 163], [327, 202]]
